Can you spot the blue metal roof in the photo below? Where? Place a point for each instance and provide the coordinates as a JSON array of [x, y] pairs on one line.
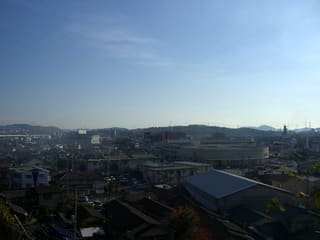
[[220, 184]]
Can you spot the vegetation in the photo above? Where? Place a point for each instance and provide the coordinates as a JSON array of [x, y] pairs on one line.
[[274, 203], [66, 206], [44, 213], [8, 227], [111, 189], [313, 199], [186, 223]]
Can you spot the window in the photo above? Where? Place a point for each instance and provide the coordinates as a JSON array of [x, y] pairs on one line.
[[28, 176]]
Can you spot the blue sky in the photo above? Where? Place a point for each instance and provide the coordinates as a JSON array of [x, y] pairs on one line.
[[88, 64]]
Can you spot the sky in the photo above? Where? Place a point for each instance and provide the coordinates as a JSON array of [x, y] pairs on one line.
[[97, 64]]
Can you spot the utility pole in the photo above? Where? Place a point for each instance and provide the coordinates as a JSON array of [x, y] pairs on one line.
[[108, 186], [75, 214]]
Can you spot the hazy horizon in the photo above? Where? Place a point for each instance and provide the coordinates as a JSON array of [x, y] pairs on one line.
[[133, 64], [165, 126]]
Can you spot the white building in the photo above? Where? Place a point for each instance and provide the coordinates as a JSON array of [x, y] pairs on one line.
[[28, 177], [95, 139]]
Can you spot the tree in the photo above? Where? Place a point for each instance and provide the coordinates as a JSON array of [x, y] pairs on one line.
[[8, 226], [186, 223], [313, 199], [275, 203]]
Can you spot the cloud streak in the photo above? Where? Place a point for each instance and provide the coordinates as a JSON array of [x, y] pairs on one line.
[[118, 42]]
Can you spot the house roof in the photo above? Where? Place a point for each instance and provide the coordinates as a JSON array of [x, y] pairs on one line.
[[17, 209], [155, 231], [11, 194], [179, 165], [43, 189], [272, 230], [125, 217], [289, 213], [153, 208], [78, 177], [171, 168], [90, 231], [194, 164], [61, 231], [220, 184], [27, 169], [143, 156], [243, 215], [89, 217]]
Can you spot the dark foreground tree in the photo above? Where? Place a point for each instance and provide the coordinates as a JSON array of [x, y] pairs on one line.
[[186, 223], [8, 227]]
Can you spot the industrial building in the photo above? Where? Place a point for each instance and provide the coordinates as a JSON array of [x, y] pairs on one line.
[[226, 155], [221, 154], [221, 191]]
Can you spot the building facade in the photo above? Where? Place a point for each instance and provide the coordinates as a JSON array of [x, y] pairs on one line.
[[226, 155]]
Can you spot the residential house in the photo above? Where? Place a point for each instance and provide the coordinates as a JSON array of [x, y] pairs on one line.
[[28, 177]]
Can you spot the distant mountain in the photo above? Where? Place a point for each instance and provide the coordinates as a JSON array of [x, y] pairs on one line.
[[108, 131], [265, 128], [28, 129], [196, 131], [204, 131], [304, 130]]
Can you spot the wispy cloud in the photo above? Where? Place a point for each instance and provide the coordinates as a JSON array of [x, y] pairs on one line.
[[118, 42]]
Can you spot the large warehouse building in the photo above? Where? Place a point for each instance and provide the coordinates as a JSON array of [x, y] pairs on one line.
[[222, 191]]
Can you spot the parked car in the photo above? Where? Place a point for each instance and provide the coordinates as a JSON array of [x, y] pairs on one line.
[[83, 198], [97, 203], [91, 203]]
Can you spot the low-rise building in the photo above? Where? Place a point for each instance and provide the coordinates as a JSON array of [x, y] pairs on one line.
[[95, 139], [173, 173], [120, 162], [296, 184], [93, 165]]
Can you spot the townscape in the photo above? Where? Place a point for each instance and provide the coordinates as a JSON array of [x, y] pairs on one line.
[[159, 120], [181, 182]]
